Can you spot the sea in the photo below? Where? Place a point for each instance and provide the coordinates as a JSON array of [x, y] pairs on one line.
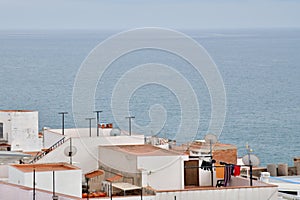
[[260, 69]]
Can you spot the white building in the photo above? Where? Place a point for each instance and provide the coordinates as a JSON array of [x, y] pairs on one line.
[[164, 172], [67, 178], [19, 130], [85, 148], [147, 165]]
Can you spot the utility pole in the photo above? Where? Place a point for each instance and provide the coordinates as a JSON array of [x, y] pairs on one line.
[[54, 197], [129, 121], [63, 121], [249, 150], [90, 120], [70, 151], [98, 120], [33, 183]]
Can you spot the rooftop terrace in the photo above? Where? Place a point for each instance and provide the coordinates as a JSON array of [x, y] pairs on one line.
[[44, 167]]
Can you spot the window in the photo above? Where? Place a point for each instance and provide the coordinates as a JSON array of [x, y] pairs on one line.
[[1, 130]]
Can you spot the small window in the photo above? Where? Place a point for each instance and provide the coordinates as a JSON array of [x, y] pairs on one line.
[[1, 130]]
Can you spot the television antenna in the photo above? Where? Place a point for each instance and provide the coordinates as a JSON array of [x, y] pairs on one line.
[[251, 160], [70, 151], [211, 139], [115, 132]]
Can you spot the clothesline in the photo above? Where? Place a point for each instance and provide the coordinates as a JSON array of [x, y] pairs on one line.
[[229, 169]]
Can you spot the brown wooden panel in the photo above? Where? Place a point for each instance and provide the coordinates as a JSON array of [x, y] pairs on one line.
[[191, 175]]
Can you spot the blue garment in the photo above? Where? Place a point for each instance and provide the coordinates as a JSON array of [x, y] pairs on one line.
[[228, 170]]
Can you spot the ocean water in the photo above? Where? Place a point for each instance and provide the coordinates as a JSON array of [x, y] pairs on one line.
[[260, 70]]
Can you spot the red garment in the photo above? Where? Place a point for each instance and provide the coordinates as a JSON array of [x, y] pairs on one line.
[[237, 170]]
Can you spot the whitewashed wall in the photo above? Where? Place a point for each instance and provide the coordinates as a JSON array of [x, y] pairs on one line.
[[5, 119], [118, 160], [13, 192], [86, 157], [263, 193], [130, 198], [163, 172], [50, 138], [159, 172], [67, 182], [3, 171], [257, 193], [85, 132], [15, 176], [21, 129], [205, 177]]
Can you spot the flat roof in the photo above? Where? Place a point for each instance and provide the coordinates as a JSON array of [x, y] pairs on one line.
[[18, 111], [115, 178], [32, 153], [95, 173], [143, 150], [216, 146], [125, 186], [43, 167], [286, 179], [13, 154], [22, 187], [196, 146], [79, 132]]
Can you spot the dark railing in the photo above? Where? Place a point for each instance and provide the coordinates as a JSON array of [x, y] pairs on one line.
[[45, 152]]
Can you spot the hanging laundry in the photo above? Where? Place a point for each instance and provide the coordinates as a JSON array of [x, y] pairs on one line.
[[220, 171], [237, 170], [232, 169], [206, 165], [227, 174]]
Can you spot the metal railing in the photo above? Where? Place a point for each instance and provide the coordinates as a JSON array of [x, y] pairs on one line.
[[45, 152]]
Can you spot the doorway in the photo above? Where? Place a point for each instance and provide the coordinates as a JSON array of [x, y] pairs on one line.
[[191, 173]]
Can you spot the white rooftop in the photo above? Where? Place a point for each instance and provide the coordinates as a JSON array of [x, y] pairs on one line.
[[85, 132], [286, 183], [125, 186], [10, 156]]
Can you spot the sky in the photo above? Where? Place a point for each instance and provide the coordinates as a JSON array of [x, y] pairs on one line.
[[126, 14]]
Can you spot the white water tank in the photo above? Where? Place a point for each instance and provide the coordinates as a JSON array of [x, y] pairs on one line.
[[265, 177]]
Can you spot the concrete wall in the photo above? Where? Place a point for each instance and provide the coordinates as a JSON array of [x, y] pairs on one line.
[[50, 138], [257, 193], [20, 128], [13, 192], [159, 172], [162, 172], [15, 176], [85, 132], [95, 183], [118, 160], [205, 177], [66, 182], [3, 171], [226, 155], [241, 181], [87, 150]]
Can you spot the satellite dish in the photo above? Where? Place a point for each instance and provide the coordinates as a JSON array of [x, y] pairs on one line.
[[70, 151], [211, 138], [115, 132], [253, 158]]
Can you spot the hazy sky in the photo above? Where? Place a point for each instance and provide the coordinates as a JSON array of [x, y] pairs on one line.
[[124, 14]]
